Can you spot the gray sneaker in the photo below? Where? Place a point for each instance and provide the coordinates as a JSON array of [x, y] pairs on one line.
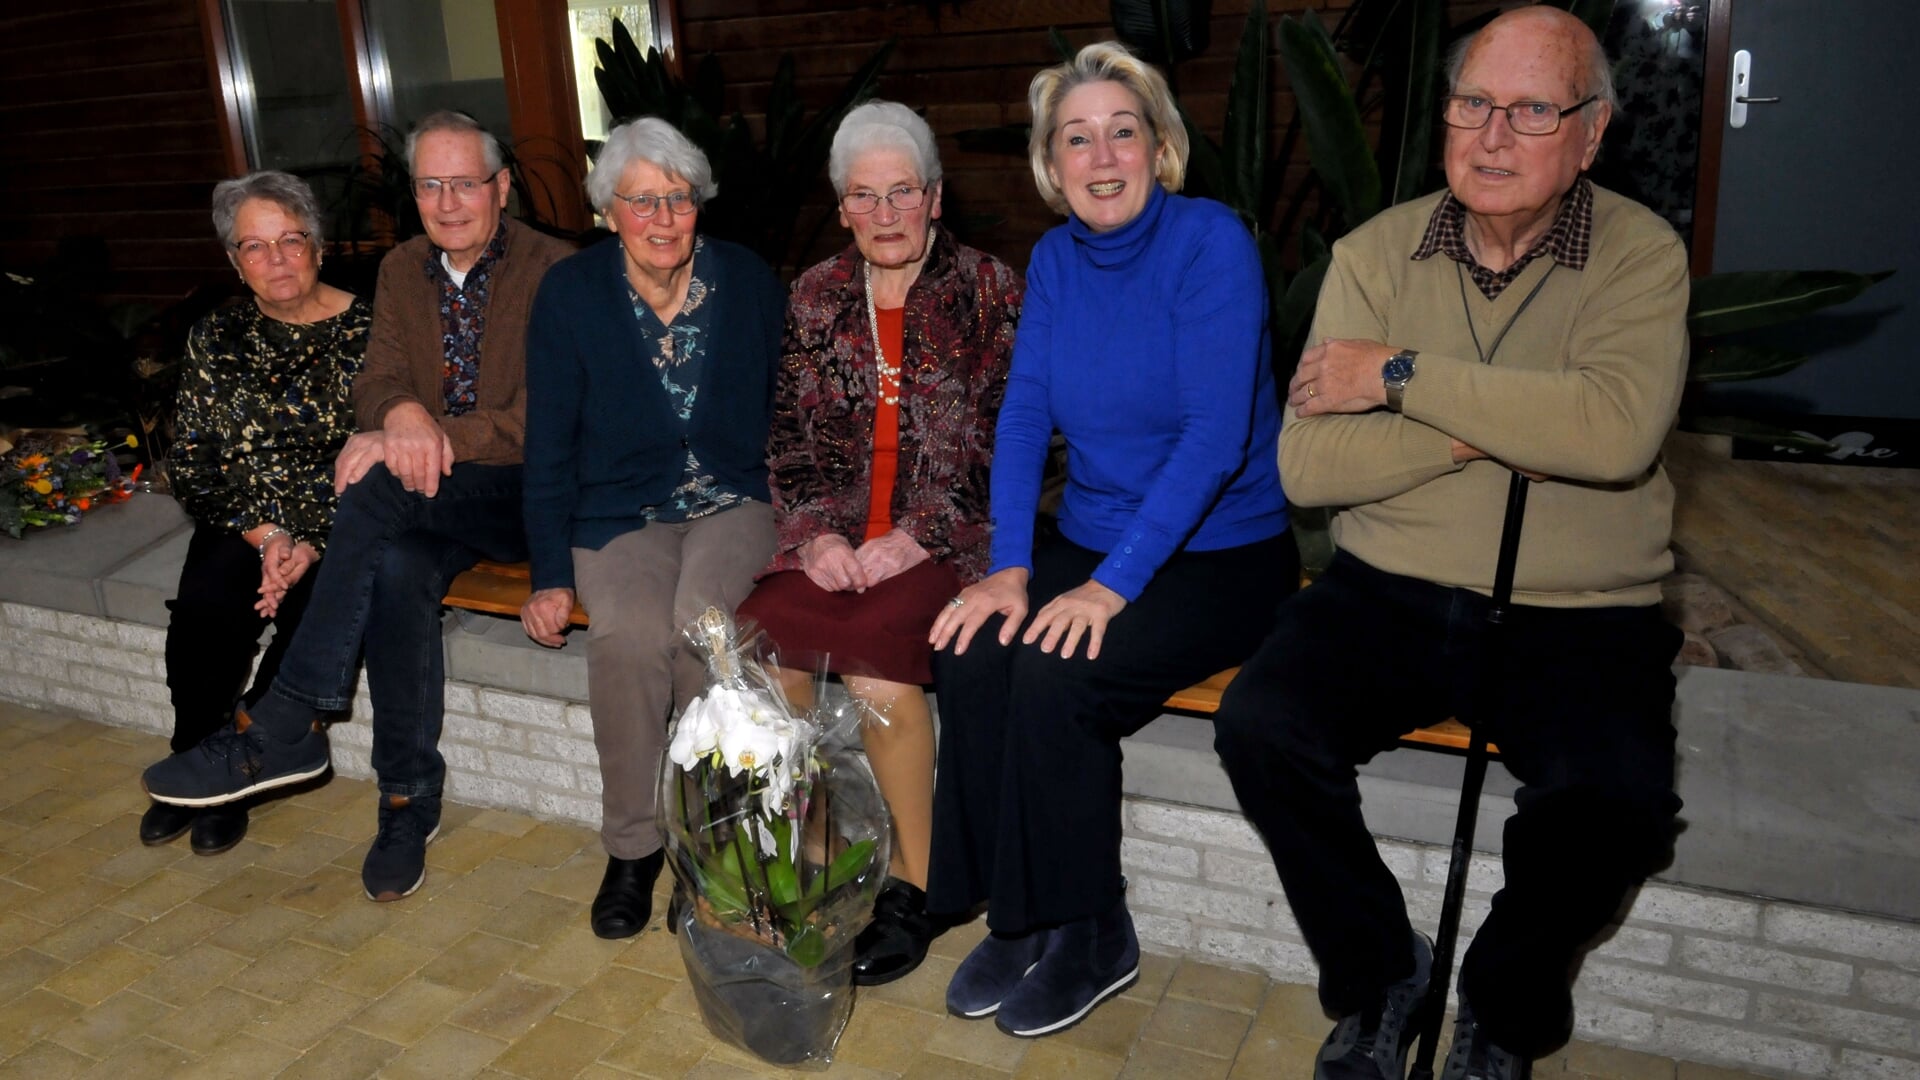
[[397, 862], [1372, 1043], [1475, 1057]]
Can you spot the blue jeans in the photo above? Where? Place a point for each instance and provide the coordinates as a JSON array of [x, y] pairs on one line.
[[389, 560]]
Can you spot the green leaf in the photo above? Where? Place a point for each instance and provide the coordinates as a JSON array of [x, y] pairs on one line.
[[723, 891], [851, 863], [1728, 362], [1419, 89], [1744, 300], [807, 946], [1336, 138], [1243, 138], [1751, 430], [783, 881]]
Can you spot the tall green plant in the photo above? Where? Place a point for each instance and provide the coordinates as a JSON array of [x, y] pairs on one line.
[[763, 182]]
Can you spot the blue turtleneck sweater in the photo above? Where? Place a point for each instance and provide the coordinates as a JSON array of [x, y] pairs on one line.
[[1147, 348]]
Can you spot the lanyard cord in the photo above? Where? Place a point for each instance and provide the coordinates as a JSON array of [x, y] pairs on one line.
[[1486, 355]]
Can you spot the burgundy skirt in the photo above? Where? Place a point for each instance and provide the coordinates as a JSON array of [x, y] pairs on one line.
[[877, 634]]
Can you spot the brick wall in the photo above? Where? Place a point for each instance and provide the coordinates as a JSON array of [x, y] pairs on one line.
[[1777, 988]]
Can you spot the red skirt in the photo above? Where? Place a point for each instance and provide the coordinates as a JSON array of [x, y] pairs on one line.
[[877, 634]]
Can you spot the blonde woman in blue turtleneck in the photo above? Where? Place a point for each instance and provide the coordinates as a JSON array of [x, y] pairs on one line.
[[1144, 342]]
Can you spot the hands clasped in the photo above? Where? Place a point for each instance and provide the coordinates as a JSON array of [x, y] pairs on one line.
[[835, 565], [546, 614], [283, 562]]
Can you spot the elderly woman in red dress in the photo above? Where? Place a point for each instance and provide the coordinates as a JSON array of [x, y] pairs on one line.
[[895, 362]]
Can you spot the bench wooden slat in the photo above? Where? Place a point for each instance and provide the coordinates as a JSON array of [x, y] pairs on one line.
[[500, 589]]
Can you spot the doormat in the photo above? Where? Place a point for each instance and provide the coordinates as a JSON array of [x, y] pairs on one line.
[[1884, 442]]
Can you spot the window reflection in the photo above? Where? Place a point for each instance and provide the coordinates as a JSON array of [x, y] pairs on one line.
[[589, 20], [436, 54]]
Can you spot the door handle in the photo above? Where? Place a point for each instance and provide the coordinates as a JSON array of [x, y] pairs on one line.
[[1742, 82]]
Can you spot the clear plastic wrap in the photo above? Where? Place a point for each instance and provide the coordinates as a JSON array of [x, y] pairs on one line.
[[778, 841]]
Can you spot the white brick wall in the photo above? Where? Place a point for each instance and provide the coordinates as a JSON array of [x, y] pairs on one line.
[[1776, 988]]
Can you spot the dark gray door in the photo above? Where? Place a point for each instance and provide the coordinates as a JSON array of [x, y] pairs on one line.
[[1829, 178]]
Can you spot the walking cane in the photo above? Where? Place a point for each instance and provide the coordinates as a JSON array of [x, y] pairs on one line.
[[1433, 1009]]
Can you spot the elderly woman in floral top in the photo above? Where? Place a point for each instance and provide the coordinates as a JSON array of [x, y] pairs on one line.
[[650, 366], [263, 410], [896, 359]]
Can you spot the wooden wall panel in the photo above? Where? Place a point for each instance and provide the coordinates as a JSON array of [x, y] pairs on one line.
[[110, 129]]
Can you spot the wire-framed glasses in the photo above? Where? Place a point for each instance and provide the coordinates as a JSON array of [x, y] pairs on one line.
[[1524, 117], [466, 187], [900, 198], [293, 245], [678, 203]]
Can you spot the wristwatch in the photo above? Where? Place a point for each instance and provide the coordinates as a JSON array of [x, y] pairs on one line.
[[1396, 373]]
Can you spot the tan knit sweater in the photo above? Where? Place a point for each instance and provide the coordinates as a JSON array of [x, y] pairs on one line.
[[1584, 388]]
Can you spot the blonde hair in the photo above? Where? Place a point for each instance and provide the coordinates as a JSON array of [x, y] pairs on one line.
[[1106, 61]]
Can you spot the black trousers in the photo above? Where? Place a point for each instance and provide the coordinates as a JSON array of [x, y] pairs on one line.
[[1026, 810], [1580, 704], [214, 632]]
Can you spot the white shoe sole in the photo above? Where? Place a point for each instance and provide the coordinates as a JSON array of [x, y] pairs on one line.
[[417, 882], [282, 780], [1118, 985]]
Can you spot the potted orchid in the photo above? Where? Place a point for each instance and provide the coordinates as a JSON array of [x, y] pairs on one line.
[[777, 836]]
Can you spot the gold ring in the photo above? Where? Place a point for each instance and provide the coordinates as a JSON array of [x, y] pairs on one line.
[[1311, 392]]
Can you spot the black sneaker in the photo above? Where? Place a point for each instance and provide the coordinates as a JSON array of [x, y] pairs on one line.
[[1372, 1044], [235, 762], [397, 862], [896, 941], [1473, 1056]]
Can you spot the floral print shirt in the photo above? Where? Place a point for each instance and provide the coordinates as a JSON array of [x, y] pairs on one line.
[[463, 319], [679, 355], [262, 413]]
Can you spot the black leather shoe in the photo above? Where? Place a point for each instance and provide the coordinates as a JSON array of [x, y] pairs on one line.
[[896, 940], [219, 828], [163, 822], [625, 901]]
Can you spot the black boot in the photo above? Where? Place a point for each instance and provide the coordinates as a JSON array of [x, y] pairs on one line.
[[895, 942], [164, 821], [625, 901], [218, 828]]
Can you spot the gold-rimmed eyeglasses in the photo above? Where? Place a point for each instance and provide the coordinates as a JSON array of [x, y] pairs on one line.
[[1524, 117], [900, 198], [678, 203], [466, 187], [293, 245]]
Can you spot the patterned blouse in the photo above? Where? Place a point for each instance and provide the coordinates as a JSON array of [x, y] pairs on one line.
[[680, 351], [959, 319], [263, 411]]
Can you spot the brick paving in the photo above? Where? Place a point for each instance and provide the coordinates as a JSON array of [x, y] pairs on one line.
[[123, 961]]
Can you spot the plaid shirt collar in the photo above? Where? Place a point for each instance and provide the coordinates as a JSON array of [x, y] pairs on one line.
[[1568, 241]]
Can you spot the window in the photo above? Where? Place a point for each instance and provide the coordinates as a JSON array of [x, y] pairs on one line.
[[589, 21]]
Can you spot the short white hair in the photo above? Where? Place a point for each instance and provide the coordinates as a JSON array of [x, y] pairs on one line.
[[290, 193], [460, 123], [658, 143], [883, 125]]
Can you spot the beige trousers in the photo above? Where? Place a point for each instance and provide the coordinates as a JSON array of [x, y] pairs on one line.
[[639, 591]]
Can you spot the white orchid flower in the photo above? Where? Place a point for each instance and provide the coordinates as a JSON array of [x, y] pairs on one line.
[[695, 734]]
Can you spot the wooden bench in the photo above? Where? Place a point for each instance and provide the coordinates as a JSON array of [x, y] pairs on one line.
[[500, 589]]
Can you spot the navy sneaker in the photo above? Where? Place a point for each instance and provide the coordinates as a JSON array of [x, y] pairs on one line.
[[239, 760], [1473, 1056], [396, 864], [991, 971], [1085, 962], [1372, 1044]]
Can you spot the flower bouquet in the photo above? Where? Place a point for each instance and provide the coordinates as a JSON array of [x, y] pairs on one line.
[[52, 480], [778, 837]]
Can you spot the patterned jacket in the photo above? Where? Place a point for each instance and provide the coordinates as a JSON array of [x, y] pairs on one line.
[[959, 321]]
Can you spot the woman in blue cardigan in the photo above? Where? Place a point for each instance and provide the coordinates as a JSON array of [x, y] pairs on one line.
[[650, 365], [1144, 342]]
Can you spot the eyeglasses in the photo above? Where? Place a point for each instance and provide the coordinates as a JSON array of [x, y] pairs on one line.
[[466, 187], [678, 203], [1524, 117], [900, 198], [293, 245]]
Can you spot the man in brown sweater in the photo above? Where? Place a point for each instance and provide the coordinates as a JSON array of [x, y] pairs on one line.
[[429, 486], [1525, 321]]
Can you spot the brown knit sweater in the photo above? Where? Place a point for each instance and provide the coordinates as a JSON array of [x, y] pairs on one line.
[[405, 361], [1584, 388]]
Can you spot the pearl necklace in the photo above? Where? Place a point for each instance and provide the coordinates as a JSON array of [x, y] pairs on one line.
[[889, 373]]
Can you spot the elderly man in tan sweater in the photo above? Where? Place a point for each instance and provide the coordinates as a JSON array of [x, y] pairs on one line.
[[429, 486], [1524, 320]]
